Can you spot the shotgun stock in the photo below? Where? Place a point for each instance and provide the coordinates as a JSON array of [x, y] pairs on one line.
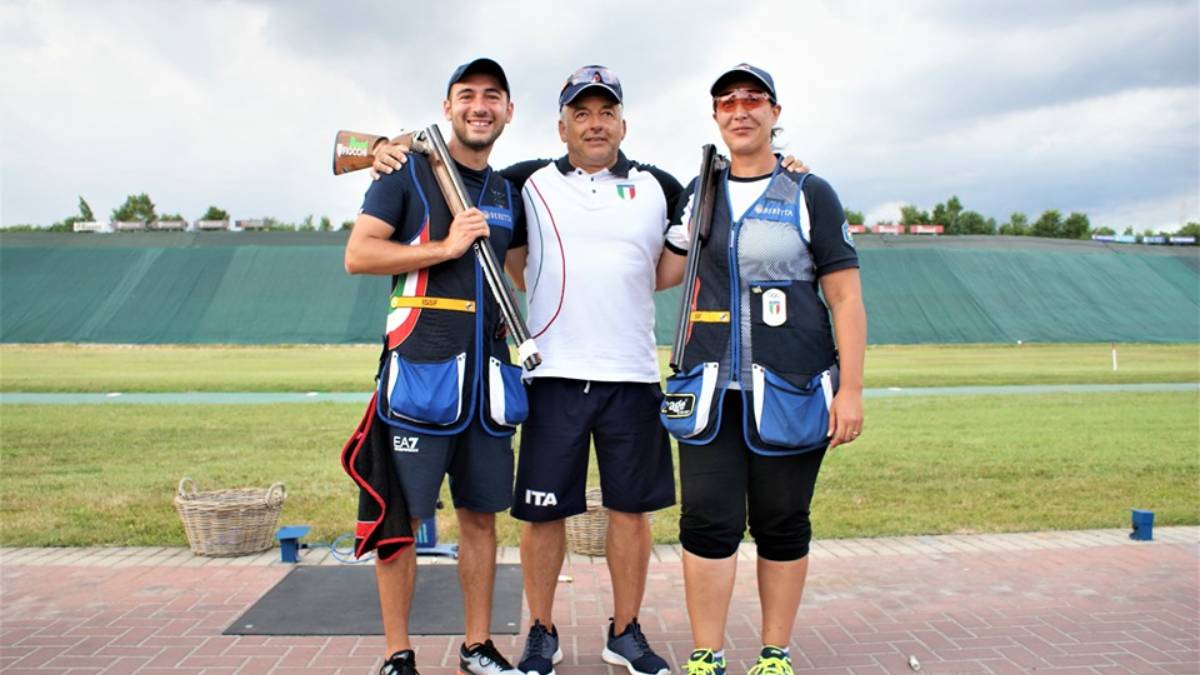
[[699, 223], [353, 151]]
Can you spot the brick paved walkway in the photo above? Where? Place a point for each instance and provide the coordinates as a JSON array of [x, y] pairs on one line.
[[1065, 602]]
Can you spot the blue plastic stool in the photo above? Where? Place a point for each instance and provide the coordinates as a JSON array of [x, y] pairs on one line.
[[1143, 525], [427, 541], [289, 542]]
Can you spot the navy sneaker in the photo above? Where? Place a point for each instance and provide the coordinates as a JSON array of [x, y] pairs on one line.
[[630, 649], [401, 663], [541, 651], [483, 659]]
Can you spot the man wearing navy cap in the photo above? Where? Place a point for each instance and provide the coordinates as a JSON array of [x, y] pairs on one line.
[[444, 351]]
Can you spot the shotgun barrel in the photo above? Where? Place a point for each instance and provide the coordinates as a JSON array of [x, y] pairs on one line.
[[430, 143], [699, 223]]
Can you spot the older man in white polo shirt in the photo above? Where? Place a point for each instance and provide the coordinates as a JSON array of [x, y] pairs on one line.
[[597, 224]]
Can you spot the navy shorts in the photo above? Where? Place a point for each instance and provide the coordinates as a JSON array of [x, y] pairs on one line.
[[480, 467], [632, 449]]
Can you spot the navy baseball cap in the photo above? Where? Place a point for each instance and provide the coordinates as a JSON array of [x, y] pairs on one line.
[[745, 71], [590, 77], [486, 66]]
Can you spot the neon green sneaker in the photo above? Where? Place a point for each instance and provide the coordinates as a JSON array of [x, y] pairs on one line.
[[771, 661], [704, 662]]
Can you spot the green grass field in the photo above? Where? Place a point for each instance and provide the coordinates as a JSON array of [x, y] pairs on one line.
[[104, 368], [105, 475]]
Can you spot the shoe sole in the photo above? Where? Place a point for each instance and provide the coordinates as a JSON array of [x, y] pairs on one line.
[[613, 658], [554, 660], [463, 670]]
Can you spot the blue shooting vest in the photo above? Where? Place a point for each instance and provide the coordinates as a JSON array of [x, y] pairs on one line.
[[755, 304], [445, 356]]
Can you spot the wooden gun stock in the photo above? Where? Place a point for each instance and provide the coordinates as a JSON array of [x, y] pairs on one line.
[[703, 202], [353, 151]]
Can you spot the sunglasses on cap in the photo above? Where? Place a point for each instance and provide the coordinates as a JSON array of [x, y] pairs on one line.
[[751, 100], [592, 74]]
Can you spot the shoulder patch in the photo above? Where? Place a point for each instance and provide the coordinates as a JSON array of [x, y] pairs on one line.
[[846, 233]]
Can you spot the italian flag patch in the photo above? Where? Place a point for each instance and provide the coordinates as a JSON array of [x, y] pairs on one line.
[[626, 191]]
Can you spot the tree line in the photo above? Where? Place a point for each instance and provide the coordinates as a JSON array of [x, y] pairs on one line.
[[951, 215], [956, 220], [140, 207]]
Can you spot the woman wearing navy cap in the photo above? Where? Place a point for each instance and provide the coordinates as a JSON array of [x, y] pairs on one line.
[[765, 388]]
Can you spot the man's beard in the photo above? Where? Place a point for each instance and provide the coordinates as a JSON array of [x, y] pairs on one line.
[[476, 143]]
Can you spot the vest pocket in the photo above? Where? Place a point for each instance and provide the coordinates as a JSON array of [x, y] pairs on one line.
[[508, 404], [426, 393], [686, 409], [787, 415]]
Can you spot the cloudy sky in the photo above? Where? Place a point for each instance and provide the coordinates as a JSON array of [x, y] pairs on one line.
[[1019, 105]]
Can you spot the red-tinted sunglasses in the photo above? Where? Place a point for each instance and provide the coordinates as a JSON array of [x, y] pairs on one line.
[[751, 100]]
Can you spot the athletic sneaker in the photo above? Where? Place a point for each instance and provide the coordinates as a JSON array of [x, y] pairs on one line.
[[401, 663], [772, 661], [631, 650], [541, 651], [483, 659], [705, 662]]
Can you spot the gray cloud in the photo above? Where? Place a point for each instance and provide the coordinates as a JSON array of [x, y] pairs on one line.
[[1020, 105]]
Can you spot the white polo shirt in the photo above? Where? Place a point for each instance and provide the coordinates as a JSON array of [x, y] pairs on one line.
[[594, 244]]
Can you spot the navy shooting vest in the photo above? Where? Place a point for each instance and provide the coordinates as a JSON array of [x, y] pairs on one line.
[[755, 306], [445, 356]]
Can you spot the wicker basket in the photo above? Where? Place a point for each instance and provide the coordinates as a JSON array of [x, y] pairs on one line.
[[587, 532], [226, 523]]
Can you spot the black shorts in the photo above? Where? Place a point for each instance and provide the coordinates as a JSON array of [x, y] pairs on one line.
[[724, 484], [480, 467], [632, 448]]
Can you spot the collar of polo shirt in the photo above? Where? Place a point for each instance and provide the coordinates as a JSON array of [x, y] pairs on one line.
[[620, 169]]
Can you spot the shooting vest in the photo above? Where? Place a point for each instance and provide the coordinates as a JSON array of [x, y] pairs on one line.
[[755, 304], [445, 355]]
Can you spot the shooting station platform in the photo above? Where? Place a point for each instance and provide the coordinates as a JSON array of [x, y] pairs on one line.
[[1078, 602]]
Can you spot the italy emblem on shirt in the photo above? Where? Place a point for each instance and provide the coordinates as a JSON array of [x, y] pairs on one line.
[[626, 191], [774, 307]]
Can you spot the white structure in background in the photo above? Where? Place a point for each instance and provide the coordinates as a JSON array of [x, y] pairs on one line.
[[170, 225], [252, 224], [129, 225], [92, 226], [209, 225]]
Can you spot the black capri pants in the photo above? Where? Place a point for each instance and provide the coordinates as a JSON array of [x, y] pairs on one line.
[[725, 483]]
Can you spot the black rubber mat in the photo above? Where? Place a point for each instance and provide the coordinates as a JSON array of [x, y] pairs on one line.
[[343, 600]]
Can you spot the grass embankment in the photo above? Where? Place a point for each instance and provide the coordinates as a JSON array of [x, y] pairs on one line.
[[105, 368], [106, 475]]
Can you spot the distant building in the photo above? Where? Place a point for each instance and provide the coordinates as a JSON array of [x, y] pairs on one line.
[[92, 226], [926, 229], [212, 225], [170, 225], [252, 224], [129, 225]]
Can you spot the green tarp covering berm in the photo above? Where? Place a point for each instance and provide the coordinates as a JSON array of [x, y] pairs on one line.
[[283, 287]]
